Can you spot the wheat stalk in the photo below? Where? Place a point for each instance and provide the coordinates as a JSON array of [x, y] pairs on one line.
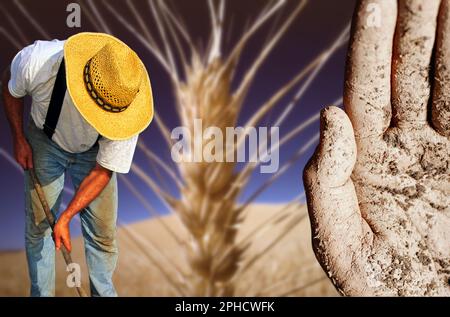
[[207, 216]]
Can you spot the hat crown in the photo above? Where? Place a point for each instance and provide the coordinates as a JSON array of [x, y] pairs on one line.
[[116, 74]]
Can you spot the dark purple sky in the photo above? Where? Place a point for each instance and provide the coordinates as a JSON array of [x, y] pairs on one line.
[[314, 30]]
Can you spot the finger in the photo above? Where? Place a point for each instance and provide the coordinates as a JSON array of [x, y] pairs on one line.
[[67, 244], [29, 161], [337, 226], [337, 150], [440, 113], [57, 241], [367, 94], [413, 47]]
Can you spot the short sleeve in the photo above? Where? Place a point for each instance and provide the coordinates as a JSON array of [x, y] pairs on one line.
[[116, 156], [19, 82]]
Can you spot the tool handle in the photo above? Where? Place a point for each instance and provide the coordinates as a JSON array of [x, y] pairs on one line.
[[68, 259], [41, 195], [51, 220]]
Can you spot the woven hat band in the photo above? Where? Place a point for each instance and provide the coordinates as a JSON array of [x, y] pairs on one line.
[[102, 103]]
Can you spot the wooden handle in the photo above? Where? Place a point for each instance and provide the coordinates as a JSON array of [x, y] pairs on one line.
[[51, 220]]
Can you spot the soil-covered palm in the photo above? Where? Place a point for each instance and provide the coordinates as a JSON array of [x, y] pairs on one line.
[[378, 186], [402, 182]]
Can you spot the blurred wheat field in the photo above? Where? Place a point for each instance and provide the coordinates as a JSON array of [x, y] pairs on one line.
[[288, 270]]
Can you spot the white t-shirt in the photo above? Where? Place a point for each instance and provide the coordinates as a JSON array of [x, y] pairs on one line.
[[33, 72]]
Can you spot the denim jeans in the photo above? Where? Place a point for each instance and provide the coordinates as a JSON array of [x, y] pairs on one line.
[[98, 221]]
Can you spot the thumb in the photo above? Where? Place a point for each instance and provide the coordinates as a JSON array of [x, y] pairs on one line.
[[336, 154], [337, 226]]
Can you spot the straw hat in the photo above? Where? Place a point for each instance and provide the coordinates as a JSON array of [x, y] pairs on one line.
[[108, 84]]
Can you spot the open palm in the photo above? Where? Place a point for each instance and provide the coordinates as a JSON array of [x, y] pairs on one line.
[[378, 186]]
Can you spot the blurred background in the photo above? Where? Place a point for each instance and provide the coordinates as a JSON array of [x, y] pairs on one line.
[[272, 242]]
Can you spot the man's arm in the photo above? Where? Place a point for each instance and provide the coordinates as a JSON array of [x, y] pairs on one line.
[[14, 113], [90, 188]]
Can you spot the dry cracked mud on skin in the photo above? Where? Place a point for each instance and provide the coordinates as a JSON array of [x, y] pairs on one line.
[[378, 185], [393, 236], [403, 189]]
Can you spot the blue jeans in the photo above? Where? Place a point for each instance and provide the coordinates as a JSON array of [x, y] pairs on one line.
[[98, 221]]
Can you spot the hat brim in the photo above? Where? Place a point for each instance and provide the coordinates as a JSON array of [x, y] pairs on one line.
[[78, 50]]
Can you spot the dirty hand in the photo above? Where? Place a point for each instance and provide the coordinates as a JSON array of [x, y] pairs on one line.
[[23, 153], [61, 234], [378, 186]]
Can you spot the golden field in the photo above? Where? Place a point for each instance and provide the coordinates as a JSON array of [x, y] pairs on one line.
[[287, 269]]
